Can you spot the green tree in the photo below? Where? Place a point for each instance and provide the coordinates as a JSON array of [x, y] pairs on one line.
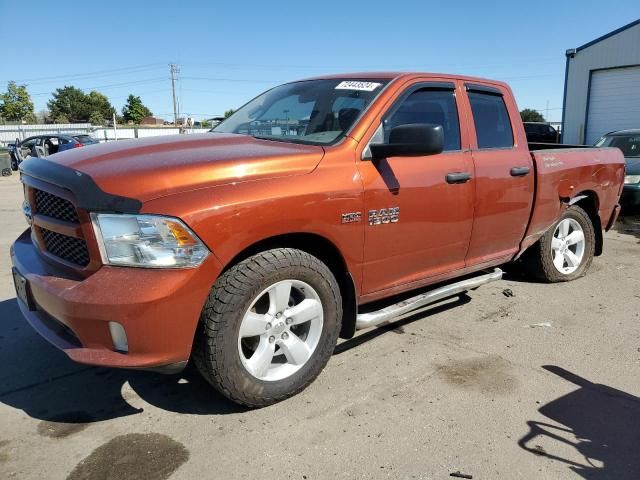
[[98, 108], [529, 115], [68, 103], [43, 116], [229, 112], [74, 105], [16, 104], [60, 118], [96, 118], [134, 110]]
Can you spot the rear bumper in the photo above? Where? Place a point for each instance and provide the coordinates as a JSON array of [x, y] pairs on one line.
[[158, 309]]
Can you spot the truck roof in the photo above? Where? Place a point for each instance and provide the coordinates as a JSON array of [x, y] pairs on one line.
[[404, 75]]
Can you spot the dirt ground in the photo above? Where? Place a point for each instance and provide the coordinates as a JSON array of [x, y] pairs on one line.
[[544, 384]]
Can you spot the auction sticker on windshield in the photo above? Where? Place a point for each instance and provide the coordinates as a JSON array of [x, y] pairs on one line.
[[357, 85]]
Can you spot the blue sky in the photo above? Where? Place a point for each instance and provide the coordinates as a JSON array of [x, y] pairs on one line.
[[228, 52]]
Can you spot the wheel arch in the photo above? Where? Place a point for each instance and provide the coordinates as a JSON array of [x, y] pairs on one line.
[[323, 249], [588, 200]]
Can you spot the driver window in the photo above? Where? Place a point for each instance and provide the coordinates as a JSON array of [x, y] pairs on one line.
[[436, 107]]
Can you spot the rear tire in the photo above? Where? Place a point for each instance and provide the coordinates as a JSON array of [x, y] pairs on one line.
[[566, 250], [269, 326]]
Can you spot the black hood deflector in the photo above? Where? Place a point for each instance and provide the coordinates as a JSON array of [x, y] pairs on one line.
[[89, 196]]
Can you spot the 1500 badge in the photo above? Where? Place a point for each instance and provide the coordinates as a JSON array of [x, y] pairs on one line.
[[384, 215]]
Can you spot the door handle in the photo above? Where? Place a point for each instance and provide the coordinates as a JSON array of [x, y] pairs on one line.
[[520, 171], [458, 177]]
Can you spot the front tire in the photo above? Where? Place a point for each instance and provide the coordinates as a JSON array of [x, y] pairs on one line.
[[566, 250], [269, 327]]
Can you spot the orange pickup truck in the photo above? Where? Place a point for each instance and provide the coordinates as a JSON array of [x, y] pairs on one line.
[[252, 248]]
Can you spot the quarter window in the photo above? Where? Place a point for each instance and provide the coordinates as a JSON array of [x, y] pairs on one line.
[[493, 127], [437, 107]]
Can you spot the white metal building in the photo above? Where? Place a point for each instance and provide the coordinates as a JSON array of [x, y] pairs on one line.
[[602, 86]]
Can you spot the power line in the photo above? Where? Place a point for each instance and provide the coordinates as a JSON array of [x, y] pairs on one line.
[[97, 73], [218, 79], [111, 85], [378, 66]]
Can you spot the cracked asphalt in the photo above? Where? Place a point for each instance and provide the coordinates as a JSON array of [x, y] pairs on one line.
[[543, 384]]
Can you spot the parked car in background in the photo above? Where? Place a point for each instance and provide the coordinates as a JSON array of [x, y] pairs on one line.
[[45, 145], [86, 139], [540, 132], [629, 142], [5, 162]]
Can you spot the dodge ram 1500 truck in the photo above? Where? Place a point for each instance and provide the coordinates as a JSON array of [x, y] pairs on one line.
[[252, 248]]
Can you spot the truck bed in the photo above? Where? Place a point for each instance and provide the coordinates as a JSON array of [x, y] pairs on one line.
[[566, 173]]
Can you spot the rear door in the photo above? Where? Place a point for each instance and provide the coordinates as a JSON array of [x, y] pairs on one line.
[[504, 176], [418, 225]]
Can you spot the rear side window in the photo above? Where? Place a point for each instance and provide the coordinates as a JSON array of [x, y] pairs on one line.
[[493, 127], [437, 107]]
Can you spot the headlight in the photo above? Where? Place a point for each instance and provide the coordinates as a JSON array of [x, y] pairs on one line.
[[147, 241], [631, 179]]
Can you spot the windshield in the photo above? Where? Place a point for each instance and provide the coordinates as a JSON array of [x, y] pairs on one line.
[[317, 112], [629, 144]]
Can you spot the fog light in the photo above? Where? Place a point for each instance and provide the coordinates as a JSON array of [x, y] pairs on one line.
[[119, 337]]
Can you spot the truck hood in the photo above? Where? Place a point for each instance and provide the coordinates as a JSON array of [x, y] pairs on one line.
[[149, 168]]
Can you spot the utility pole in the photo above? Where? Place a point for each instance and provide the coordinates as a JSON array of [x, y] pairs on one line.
[[546, 115], [173, 68]]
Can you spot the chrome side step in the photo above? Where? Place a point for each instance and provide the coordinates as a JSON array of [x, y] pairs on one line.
[[371, 319]]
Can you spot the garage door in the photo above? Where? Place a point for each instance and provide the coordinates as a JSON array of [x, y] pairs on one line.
[[614, 101]]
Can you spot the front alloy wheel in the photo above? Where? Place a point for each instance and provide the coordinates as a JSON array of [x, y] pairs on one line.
[[281, 330], [269, 326]]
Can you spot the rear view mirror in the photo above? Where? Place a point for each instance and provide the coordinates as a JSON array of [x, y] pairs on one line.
[[415, 139]]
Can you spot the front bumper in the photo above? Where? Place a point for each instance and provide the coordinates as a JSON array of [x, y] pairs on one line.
[[158, 308]]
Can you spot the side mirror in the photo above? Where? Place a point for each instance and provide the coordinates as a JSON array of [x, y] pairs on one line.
[[415, 139]]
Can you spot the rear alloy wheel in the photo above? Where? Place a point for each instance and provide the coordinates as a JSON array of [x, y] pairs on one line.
[[269, 327], [567, 246], [566, 251]]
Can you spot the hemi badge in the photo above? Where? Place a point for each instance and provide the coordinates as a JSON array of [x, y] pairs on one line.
[[352, 217]]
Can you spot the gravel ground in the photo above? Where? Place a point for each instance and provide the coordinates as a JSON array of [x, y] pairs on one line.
[[543, 384]]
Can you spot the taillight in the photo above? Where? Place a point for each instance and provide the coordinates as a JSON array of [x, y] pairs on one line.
[[77, 145]]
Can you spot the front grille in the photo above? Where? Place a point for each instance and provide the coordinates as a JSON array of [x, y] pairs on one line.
[[71, 249], [55, 207]]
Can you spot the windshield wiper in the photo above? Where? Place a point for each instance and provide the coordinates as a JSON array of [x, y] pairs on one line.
[[281, 139]]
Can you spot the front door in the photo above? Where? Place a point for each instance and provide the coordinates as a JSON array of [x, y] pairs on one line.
[[417, 224]]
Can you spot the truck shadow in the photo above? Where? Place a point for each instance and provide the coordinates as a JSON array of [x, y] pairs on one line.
[[41, 381], [600, 423]]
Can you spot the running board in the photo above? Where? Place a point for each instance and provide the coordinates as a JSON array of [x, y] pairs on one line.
[[371, 319]]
